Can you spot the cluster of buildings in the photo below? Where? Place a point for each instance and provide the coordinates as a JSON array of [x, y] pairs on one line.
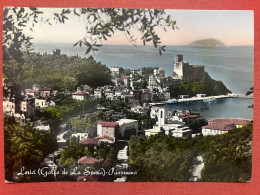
[[171, 123], [137, 89], [110, 131], [131, 86], [28, 103]]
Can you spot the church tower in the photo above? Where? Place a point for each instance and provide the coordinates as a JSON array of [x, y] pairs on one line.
[[162, 117]]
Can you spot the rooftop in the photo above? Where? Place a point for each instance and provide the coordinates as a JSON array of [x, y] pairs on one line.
[[89, 141], [184, 116], [106, 137], [107, 124], [87, 160], [30, 91], [80, 93], [46, 89], [225, 124], [125, 120]]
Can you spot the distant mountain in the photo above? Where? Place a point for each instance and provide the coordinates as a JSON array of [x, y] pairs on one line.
[[208, 43]]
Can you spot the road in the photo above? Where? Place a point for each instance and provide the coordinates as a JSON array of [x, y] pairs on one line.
[[122, 160], [196, 172]]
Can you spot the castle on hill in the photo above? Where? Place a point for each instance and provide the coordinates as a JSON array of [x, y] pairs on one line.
[[186, 72]]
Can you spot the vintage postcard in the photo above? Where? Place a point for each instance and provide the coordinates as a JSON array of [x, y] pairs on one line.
[[127, 95]]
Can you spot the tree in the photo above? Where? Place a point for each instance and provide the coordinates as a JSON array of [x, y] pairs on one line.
[[100, 25], [25, 146], [196, 124]]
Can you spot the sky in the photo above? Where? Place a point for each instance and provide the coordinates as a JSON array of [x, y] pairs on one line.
[[232, 27]]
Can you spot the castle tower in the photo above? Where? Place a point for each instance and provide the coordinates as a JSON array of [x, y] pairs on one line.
[[178, 58], [185, 71], [178, 67]]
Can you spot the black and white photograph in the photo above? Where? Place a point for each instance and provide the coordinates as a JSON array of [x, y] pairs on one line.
[[127, 95]]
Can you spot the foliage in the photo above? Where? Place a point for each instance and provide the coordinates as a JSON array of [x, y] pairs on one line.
[[148, 70], [148, 122], [145, 121], [227, 158], [193, 88], [59, 72], [100, 25], [207, 86], [75, 151], [25, 146], [160, 158], [82, 124], [214, 87], [196, 124], [68, 107], [14, 40], [117, 106]]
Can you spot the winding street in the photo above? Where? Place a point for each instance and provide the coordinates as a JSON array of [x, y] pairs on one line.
[[197, 168], [122, 160]]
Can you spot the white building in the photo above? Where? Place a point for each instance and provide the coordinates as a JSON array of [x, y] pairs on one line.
[[43, 103], [127, 127], [159, 71], [221, 126], [80, 95], [43, 127], [127, 81], [80, 135], [116, 71], [8, 108], [98, 93], [31, 92], [105, 139], [107, 128], [176, 129], [153, 131], [201, 95]]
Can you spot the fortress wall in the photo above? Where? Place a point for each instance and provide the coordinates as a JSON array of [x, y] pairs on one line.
[[192, 73]]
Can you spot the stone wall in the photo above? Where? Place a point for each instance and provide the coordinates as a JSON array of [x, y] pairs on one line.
[[192, 73]]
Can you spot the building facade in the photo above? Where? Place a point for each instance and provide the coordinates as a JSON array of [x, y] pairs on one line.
[[222, 126], [186, 72]]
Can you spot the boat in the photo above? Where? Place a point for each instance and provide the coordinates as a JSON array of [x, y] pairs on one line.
[[209, 99], [174, 101]]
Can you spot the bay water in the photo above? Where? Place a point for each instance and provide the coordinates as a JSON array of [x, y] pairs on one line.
[[234, 66]]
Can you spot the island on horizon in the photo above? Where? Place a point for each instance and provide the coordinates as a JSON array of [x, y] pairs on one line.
[[208, 43]]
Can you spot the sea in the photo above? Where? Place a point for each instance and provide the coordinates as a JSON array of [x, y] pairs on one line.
[[233, 65]]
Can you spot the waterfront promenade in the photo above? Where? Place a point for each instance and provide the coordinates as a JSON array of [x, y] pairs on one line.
[[206, 99]]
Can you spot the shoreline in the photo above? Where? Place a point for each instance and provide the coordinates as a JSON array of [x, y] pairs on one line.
[[206, 99]]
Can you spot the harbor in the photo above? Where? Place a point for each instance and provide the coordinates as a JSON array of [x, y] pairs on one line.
[[200, 98]]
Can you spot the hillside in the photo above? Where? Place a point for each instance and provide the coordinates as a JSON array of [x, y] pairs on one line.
[[227, 157], [58, 71], [208, 43]]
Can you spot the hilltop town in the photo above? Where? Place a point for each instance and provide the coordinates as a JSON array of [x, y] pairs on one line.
[[97, 122]]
